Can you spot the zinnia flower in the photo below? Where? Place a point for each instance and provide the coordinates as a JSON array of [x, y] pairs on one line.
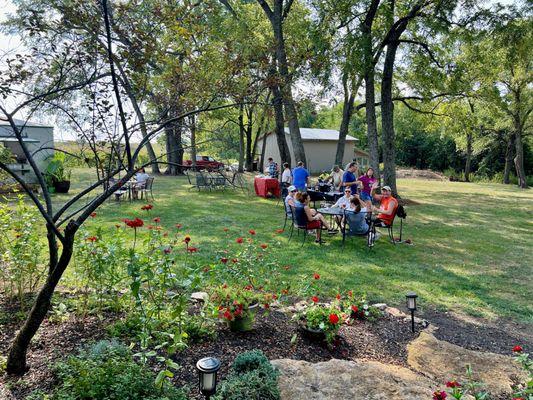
[[187, 239], [279, 231], [234, 260], [315, 299], [267, 306], [251, 232], [439, 395], [178, 226], [92, 238], [192, 249], [316, 276], [517, 349], [147, 207], [355, 309], [264, 246], [453, 384], [239, 240], [157, 220], [338, 297], [228, 315], [167, 250], [333, 318], [284, 291], [92, 215], [224, 260], [135, 223]]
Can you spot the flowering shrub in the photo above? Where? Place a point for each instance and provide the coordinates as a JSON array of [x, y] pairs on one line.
[[327, 319], [234, 302], [523, 391], [358, 307]]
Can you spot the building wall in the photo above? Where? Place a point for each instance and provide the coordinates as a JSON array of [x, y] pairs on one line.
[[45, 137], [320, 154]]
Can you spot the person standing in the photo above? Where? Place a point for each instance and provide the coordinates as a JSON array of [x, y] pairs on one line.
[[286, 176], [300, 177], [366, 181], [273, 168], [349, 179], [336, 177]]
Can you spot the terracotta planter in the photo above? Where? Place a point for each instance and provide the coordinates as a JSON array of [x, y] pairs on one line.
[[246, 323]]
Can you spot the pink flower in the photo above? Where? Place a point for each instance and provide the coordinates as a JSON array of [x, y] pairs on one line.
[[439, 395], [178, 226]]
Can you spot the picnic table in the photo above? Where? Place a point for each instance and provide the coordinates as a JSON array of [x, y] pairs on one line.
[[265, 185]]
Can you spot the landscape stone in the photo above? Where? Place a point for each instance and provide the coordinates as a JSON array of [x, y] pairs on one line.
[[381, 306], [200, 296], [395, 312], [443, 361], [354, 380]]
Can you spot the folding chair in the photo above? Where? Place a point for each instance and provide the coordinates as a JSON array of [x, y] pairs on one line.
[[300, 222], [288, 215], [147, 188]]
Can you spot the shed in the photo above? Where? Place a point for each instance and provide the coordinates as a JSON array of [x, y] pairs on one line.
[[36, 136], [320, 148]]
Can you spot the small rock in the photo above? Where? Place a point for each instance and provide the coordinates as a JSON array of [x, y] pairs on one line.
[[200, 296], [381, 306], [395, 312]]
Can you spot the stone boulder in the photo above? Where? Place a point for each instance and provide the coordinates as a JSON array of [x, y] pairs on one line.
[[443, 361], [341, 379]]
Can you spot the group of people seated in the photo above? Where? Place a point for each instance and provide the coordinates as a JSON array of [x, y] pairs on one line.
[[360, 201]]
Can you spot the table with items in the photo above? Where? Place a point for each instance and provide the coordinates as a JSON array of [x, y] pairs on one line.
[[267, 187]]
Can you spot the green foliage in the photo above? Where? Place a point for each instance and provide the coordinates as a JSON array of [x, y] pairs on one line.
[[22, 266], [252, 377], [106, 370], [56, 170]]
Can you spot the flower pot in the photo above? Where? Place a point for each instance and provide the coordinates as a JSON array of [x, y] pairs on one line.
[[246, 323], [62, 186], [316, 335]]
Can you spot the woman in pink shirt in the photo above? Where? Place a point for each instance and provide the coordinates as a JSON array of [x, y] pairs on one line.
[[365, 182]]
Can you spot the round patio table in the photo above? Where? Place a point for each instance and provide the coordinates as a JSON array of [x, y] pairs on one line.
[[333, 211]]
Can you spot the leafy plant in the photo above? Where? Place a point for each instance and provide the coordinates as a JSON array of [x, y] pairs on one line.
[[56, 170], [358, 307]]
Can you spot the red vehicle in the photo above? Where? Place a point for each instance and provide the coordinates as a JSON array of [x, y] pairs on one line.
[[206, 162]]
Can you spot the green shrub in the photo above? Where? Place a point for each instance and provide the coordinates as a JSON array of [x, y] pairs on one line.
[[252, 377], [106, 370]]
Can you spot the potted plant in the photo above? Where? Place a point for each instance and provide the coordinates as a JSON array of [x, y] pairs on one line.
[[320, 321], [358, 308], [238, 306], [58, 174]]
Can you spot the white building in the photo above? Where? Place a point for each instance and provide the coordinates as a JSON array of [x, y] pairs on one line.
[[39, 140], [320, 148]]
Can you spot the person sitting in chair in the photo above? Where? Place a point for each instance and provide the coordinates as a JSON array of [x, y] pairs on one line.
[[344, 203], [314, 220], [140, 182], [290, 199], [356, 217], [387, 206]]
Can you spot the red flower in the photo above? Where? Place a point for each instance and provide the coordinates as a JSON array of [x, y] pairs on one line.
[[275, 296], [279, 230], [135, 223], [192, 249], [234, 260], [178, 226], [287, 267], [149, 227], [453, 384], [187, 239], [157, 220], [92, 238], [224, 260], [315, 299], [267, 306], [517, 349], [316, 276], [226, 229], [518, 398], [338, 297], [284, 291], [167, 250], [147, 207], [251, 232], [206, 269], [264, 246], [92, 215], [355, 309], [350, 293], [239, 240], [333, 318], [228, 315], [439, 395], [224, 286], [248, 287]]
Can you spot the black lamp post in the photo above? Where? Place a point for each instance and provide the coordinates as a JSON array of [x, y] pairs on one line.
[[207, 373], [411, 306]]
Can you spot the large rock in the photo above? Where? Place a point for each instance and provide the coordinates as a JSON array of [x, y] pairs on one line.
[[443, 361], [341, 379]]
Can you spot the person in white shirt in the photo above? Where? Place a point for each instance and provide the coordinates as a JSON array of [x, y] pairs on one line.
[[336, 177], [344, 202], [286, 176], [140, 181]]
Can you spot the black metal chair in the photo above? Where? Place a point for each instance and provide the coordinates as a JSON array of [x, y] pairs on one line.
[[147, 188], [400, 213], [368, 233], [315, 196], [288, 215], [299, 220]]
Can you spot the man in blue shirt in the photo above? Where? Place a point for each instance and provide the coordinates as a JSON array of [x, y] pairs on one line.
[[349, 178], [300, 177]]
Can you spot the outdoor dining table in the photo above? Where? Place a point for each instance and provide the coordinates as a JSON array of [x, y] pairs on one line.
[[265, 185], [332, 212]]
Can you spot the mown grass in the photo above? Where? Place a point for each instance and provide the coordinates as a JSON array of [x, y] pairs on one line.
[[471, 252]]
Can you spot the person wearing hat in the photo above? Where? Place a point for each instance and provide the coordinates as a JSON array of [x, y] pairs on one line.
[[387, 205], [290, 199]]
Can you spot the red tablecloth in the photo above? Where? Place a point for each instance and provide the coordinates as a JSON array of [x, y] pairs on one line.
[[263, 186]]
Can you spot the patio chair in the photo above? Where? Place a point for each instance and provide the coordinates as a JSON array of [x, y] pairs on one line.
[[288, 215], [300, 221], [201, 181], [147, 188], [400, 213], [120, 192], [352, 219]]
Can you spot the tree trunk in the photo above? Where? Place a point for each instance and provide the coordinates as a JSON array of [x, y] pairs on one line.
[[192, 120], [387, 117], [468, 155], [16, 359], [286, 82], [347, 111], [249, 144], [519, 157], [241, 139], [509, 154], [277, 101]]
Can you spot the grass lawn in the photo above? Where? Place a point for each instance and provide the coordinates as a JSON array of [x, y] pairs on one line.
[[471, 253]]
